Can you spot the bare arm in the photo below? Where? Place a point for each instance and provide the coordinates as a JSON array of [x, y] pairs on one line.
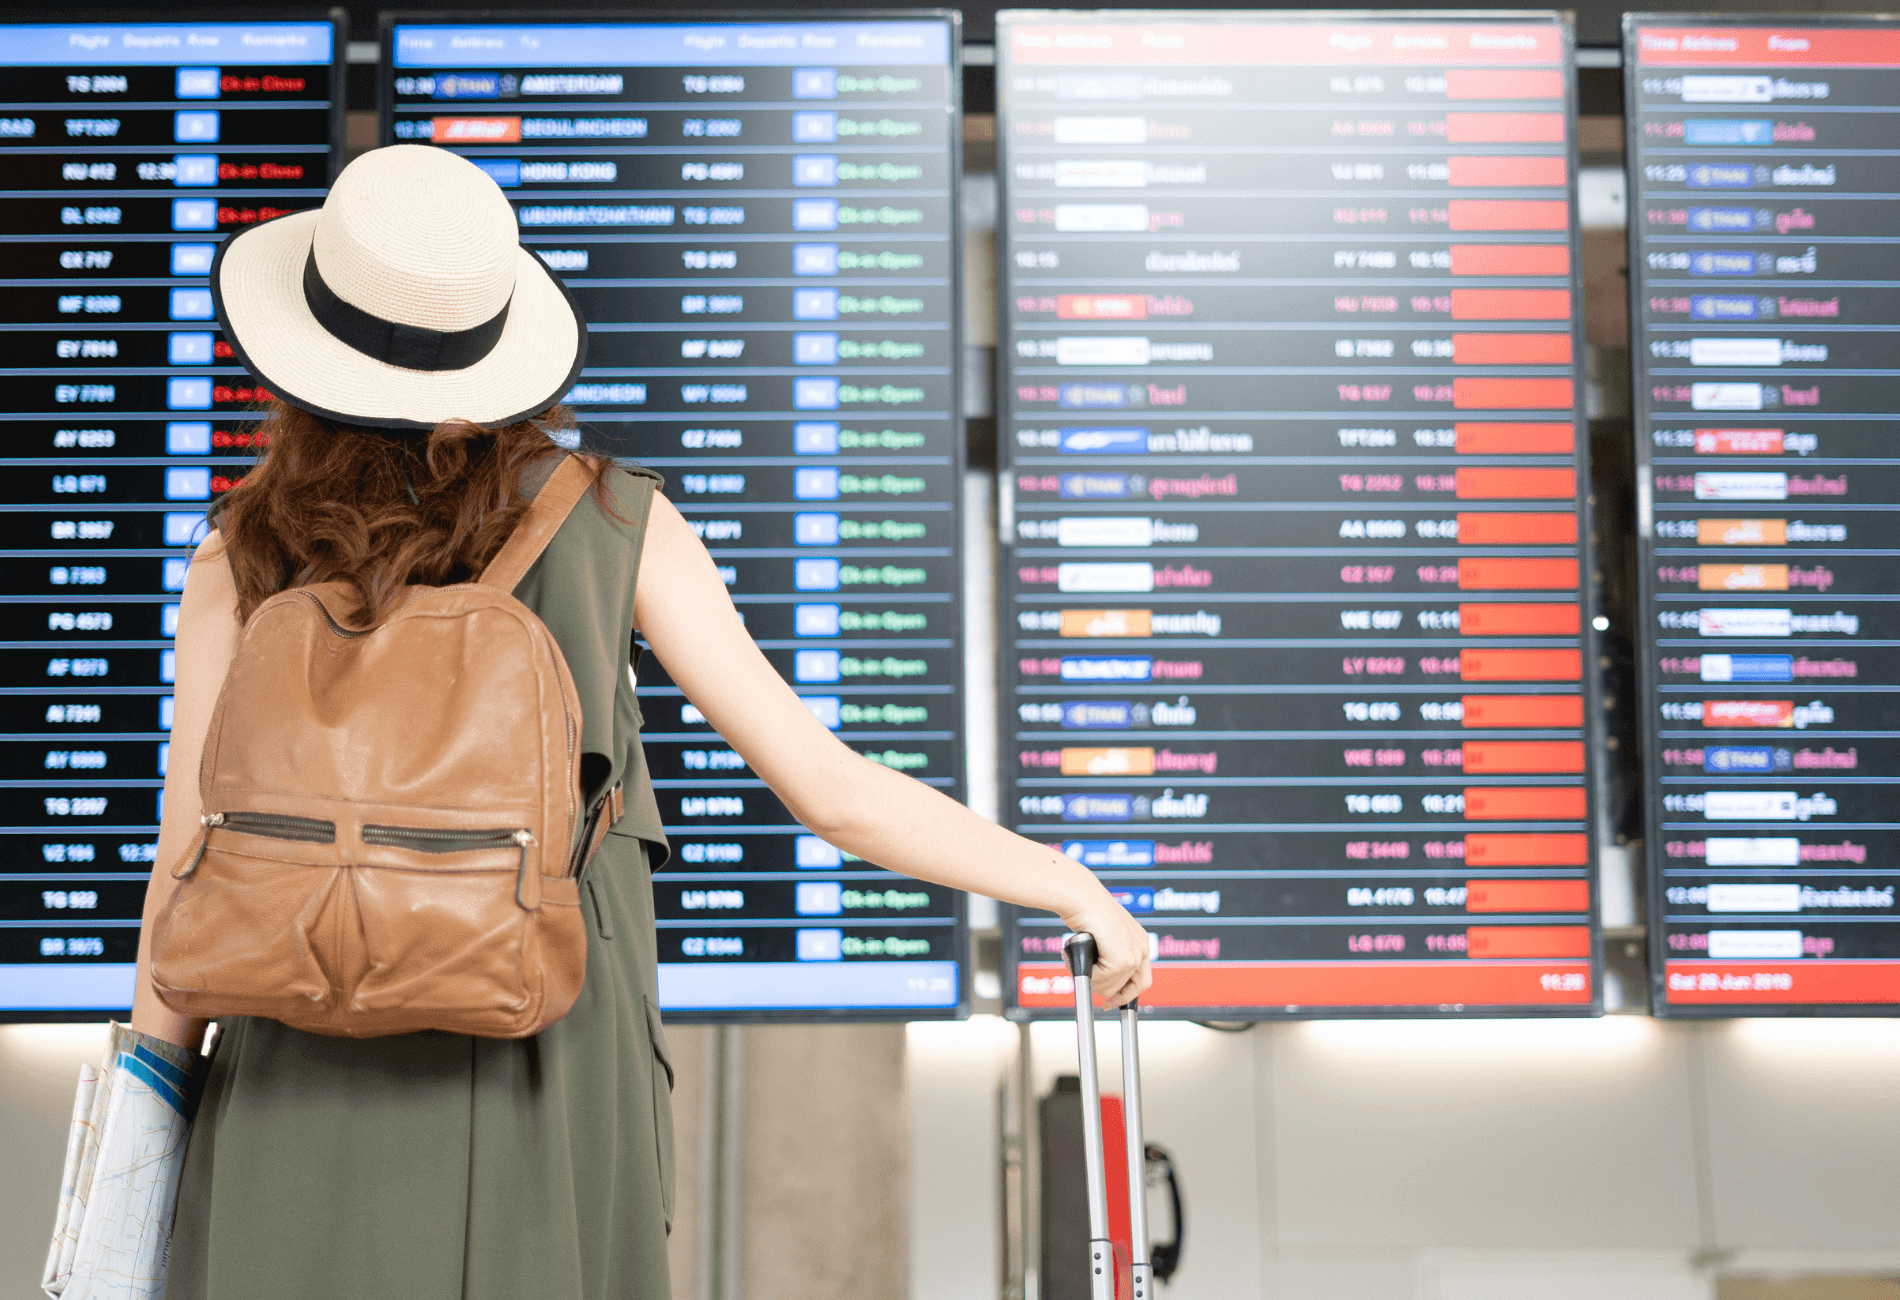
[[207, 638], [681, 607]]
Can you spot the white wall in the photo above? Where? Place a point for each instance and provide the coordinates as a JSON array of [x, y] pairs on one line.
[[1480, 1160], [1392, 1140], [953, 1073]]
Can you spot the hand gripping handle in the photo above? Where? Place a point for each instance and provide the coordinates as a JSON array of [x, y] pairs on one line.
[[1079, 951]]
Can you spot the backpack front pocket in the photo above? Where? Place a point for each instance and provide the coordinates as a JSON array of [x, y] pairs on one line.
[[247, 921], [443, 931]]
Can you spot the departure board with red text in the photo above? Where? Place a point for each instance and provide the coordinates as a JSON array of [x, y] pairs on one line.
[[1293, 505], [128, 151], [1764, 255]]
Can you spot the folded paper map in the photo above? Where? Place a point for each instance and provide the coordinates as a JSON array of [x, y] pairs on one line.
[[132, 1114]]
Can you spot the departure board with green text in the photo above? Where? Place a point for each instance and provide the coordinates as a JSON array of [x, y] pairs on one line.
[[757, 219]]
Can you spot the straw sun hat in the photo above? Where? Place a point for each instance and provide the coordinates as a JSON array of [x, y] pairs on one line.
[[406, 300]]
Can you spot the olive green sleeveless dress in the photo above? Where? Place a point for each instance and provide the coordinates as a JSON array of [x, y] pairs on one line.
[[436, 1166]]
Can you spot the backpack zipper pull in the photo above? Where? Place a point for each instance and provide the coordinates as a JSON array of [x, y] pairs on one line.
[[526, 840], [207, 821]]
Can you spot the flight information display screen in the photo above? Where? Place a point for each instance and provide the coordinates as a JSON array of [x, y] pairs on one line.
[[1763, 255], [127, 151], [1292, 500], [757, 219]]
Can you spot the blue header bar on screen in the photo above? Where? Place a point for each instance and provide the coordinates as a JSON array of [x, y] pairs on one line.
[[118, 44], [632, 45]]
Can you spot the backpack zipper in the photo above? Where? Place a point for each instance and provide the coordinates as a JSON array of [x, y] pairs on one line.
[[205, 823], [421, 840], [335, 626], [424, 840], [276, 826], [570, 767]]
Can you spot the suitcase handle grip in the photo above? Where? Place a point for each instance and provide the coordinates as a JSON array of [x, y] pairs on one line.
[[1078, 950]]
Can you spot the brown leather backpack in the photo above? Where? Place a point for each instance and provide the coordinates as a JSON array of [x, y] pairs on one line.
[[391, 815]]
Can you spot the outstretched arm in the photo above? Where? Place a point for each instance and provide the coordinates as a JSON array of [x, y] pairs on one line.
[[682, 609]]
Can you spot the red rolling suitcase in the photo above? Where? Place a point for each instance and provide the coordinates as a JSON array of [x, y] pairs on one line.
[[1107, 1280]]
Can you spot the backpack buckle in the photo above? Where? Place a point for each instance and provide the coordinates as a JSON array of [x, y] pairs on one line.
[[608, 812]]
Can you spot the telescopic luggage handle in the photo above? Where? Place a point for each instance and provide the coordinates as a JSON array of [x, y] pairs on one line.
[[1078, 951]]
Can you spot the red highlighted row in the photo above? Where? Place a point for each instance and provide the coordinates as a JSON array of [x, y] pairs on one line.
[[1693, 983], [1514, 529], [1511, 349], [1503, 83], [1520, 620], [1512, 394], [1505, 574], [1508, 483], [1509, 214], [1531, 849], [1517, 757], [1507, 171], [1494, 941], [1506, 439], [1334, 984], [1522, 710], [1526, 803], [1510, 304], [1527, 896], [1743, 47], [1510, 259], [1504, 128], [1534, 43], [1477, 665], [1466, 304]]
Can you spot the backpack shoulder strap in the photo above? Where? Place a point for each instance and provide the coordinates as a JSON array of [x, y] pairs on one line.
[[546, 513]]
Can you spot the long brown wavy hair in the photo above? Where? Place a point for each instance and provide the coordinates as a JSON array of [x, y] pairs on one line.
[[378, 509]]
